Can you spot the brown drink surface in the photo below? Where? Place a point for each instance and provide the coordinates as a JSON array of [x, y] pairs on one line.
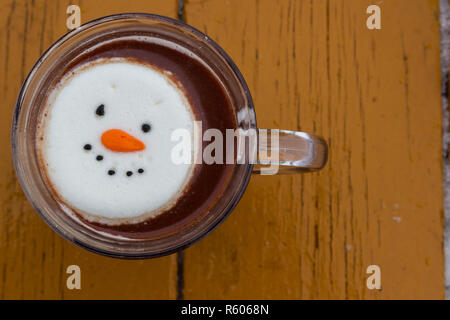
[[211, 106]]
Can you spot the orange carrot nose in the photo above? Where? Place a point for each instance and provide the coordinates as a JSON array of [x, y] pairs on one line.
[[120, 141]]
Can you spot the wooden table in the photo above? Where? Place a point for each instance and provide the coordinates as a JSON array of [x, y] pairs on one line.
[[311, 65]]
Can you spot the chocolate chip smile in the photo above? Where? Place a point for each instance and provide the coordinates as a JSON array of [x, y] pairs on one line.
[[111, 172]]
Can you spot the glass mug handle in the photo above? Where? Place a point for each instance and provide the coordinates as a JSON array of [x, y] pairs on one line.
[[283, 151]]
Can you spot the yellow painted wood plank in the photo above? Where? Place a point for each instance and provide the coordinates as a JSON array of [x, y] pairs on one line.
[[375, 97], [33, 259]]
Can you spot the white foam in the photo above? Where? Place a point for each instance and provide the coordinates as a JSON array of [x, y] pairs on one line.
[[133, 94]]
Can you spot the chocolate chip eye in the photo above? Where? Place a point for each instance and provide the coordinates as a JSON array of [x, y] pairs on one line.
[[87, 147], [100, 111], [146, 127]]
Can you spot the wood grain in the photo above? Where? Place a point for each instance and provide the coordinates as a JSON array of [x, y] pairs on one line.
[[311, 65], [33, 259], [375, 96]]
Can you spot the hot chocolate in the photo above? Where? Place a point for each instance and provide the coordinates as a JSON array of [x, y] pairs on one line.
[[104, 138]]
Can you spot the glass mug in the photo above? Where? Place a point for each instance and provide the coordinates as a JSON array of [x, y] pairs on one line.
[[296, 151]]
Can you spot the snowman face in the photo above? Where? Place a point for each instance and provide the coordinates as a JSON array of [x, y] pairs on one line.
[[106, 146]]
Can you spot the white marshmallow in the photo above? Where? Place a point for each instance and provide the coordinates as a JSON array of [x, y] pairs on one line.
[[133, 94]]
